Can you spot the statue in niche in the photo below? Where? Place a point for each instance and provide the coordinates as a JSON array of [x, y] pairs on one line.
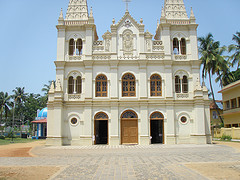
[[148, 45], [107, 45], [128, 42]]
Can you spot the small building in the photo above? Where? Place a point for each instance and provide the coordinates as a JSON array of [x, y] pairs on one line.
[[231, 104], [40, 125], [214, 118]]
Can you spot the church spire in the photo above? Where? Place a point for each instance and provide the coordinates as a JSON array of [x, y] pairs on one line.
[[77, 10], [175, 10]]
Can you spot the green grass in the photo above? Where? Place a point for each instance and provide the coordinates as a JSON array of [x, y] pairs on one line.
[[7, 141]]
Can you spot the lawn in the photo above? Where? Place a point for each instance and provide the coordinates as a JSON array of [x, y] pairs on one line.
[[15, 140]]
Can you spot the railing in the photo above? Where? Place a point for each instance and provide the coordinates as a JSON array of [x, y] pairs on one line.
[[158, 46], [98, 46], [180, 57], [72, 97], [157, 43], [182, 95]]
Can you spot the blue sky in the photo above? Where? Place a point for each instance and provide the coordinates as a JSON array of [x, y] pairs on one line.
[[28, 34]]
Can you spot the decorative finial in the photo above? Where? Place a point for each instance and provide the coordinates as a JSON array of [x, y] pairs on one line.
[[113, 21], [91, 12], [141, 20], [192, 16], [127, 1], [163, 13], [61, 19], [51, 90], [61, 14]]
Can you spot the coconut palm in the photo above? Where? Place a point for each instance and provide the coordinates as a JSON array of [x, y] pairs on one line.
[[4, 104], [235, 58], [212, 60], [19, 98]]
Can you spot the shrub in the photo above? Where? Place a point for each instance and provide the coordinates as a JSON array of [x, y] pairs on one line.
[[2, 137], [226, 137]]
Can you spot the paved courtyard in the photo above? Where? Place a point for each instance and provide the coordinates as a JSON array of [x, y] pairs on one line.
[[127, 162]]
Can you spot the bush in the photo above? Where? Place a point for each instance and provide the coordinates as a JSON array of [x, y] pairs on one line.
[[2, 137], [225, 137], [11, 135]]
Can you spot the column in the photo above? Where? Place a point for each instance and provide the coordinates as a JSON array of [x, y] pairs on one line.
[[88, 81], [143, 126], [169, 81], [114, 88], [143, 80], [61, 45], [169, 124], [88, 124], [114, 126]]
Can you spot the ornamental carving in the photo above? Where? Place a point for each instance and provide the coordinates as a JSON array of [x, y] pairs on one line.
[[128, 42], [127, 24]]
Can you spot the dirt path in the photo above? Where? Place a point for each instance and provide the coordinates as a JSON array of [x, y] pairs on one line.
[[235, 145], [28, 172], [24, 172], [19, 149], [219, 171]]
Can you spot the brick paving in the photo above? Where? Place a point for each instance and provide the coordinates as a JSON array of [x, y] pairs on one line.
[[126, 162]]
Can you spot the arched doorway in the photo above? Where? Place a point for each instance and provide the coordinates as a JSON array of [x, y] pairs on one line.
[[157, 128], [129, 127], [101, 128]]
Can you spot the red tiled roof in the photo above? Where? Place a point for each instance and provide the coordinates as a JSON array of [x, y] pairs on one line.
[[213, 106], [40, 121]]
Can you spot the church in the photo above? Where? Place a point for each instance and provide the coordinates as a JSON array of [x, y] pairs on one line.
[[130, 87]]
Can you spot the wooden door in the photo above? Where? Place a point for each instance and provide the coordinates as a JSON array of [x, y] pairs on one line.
[[129, 131]]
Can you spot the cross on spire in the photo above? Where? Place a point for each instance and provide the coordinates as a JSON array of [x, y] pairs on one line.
[[127, 1]]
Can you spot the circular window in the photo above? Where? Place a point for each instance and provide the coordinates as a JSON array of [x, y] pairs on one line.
[[74, 121], [183, 119]]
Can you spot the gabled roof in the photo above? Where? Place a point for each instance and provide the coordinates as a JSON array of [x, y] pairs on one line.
[[127, 16]]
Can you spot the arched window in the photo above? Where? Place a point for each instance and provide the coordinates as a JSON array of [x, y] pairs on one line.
[[175, 46], [156, 116], [101, 86], [79, 47], [129, 114], [128, 85], [185, 84], [71, 47], [70, 85], [183, 46], [101, 116], [156, 85], [79, 85], [177, 84]]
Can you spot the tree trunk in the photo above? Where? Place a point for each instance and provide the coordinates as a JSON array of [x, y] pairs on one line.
[[214, 101]]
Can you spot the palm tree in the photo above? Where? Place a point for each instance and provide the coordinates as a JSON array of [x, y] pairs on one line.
[[19, 97], [235, 58], [212, 60], [4, 104]]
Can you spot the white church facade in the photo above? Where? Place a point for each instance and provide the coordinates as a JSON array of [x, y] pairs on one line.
[[127, 88]]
